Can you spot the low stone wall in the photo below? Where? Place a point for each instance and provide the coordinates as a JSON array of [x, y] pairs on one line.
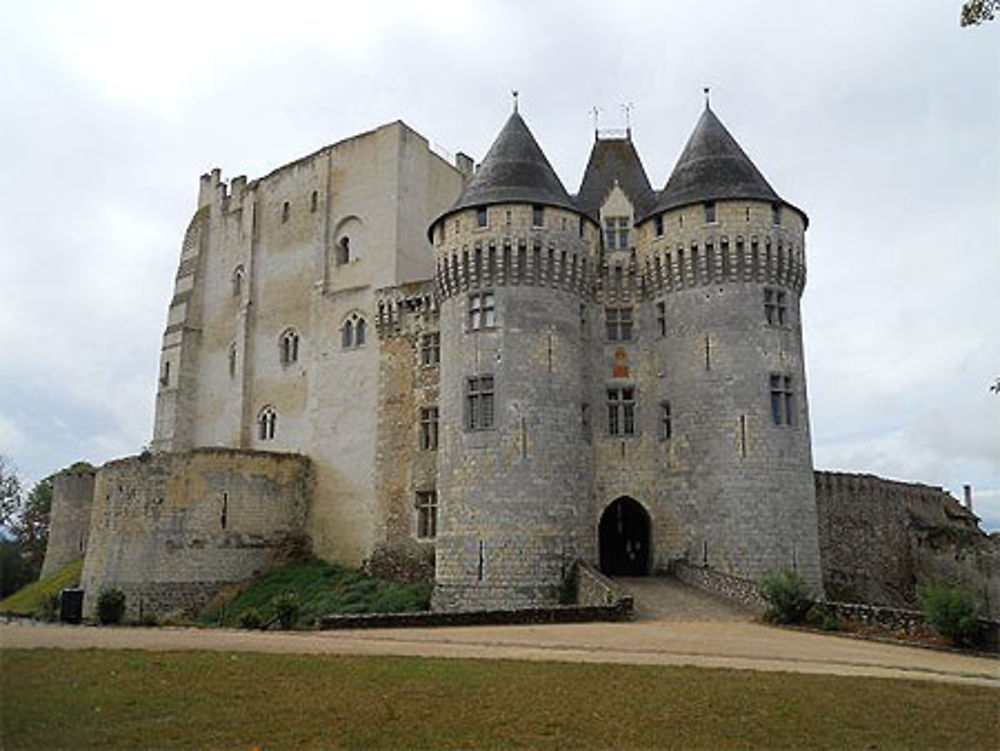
[[911, 622], [170, 529], [622, 611], [594, 589], [743, 591]]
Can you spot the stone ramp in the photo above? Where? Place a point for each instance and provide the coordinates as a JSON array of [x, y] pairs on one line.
[[660, 598]]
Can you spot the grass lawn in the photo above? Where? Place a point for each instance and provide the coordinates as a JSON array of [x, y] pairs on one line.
[[322, 589], [29, 600], [132, 699]]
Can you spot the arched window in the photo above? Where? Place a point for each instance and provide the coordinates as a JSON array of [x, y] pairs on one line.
[[238, 275], [267, 422], [288, 347], [344, 251], [354, 332]]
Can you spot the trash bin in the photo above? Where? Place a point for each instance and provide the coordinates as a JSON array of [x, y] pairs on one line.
[[71, 605]]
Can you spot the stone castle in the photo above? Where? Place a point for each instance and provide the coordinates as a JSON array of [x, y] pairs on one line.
[[474, 374]]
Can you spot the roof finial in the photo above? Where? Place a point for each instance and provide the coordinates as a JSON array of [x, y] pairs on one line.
[[628, 119], [596, 112], [514, 93], [707, 89]]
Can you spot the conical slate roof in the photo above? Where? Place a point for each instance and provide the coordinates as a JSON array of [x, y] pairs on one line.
[[515, 170], [712, 166], [614, 159]]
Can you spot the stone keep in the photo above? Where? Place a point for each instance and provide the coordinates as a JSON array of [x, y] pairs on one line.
[[487, 374]]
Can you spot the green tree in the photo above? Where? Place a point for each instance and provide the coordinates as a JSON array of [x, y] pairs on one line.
[[31, 526], [10, 492], [975, 12], [14, 573]]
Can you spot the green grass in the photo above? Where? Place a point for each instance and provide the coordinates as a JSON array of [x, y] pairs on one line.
[[28, 600], [129, 699], [322, 589]]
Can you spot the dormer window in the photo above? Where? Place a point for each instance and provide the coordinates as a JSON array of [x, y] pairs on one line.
[[709, 212], [537, 216], [616, 232]]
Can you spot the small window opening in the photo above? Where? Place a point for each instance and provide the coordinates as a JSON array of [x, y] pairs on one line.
[[353, 332], [658, 225], [709, 212], [289, 347], [621, 411], [782, 400], [314, 201], [429, 429], [481, 216], [537, 216], [344, 251], [479, 402], [482, 311], [430, 349], [776, 214], [427, 507], [285, 211], [666, 422], [267, 422], [661, 318]]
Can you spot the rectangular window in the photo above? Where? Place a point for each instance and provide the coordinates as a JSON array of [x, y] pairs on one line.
[[481, 216], [661, 318], [782, 400], [776, 214], [658, 225], [430, 349], [427, 506], [618, 322], [429, 429], [709, 212], [482, 311], [314, 201], [775, 307], [621, 411], [616, 232], [666, 424], [479, 403], [537, 216]]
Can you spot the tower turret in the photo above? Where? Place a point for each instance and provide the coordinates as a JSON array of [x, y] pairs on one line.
[[724, 264], [514, 256]]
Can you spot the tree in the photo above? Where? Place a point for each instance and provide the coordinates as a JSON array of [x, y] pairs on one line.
[[10, 492], [995, 388], [975, 12], [31, 526]]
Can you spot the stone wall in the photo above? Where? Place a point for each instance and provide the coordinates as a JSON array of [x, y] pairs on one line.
[[743, 591], [881, 540], [170, 529], [69, 520]]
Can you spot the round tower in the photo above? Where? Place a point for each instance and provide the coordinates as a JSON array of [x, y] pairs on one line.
[[723, 260], [513, 256]]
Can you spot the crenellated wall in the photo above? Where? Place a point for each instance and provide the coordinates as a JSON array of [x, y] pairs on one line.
[[170, 529], [881, 540]]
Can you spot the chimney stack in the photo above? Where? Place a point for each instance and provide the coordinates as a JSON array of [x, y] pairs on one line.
[[968, 497]]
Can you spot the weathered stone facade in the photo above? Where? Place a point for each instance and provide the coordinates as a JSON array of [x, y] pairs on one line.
[[881, 540], [169, 529], [69, 519]]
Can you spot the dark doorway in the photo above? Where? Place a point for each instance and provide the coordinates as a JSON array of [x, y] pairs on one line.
[[624, 539]]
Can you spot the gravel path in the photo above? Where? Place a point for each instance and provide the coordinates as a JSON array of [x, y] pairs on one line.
[[712, 634]]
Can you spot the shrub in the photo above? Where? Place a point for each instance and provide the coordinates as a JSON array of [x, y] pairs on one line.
[[286, 607], [951, 611], [818, 617], [788, 596], [251, 618], [110, 606], [48, 608]]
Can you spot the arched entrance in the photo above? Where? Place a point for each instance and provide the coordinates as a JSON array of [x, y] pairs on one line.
[[623, 539]]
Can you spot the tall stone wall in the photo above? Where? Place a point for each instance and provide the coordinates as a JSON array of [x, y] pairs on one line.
[[69, 520], [170, 529], [881, 540]]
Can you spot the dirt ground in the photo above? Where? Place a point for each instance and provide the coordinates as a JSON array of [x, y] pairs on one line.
[[679, 627]]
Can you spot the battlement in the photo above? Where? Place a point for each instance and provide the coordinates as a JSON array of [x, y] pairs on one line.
[[398, 306]]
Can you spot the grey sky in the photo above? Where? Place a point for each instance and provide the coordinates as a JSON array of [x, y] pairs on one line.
[[881, 120]]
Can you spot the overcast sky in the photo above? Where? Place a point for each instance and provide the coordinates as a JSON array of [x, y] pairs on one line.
[[880, 119]]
